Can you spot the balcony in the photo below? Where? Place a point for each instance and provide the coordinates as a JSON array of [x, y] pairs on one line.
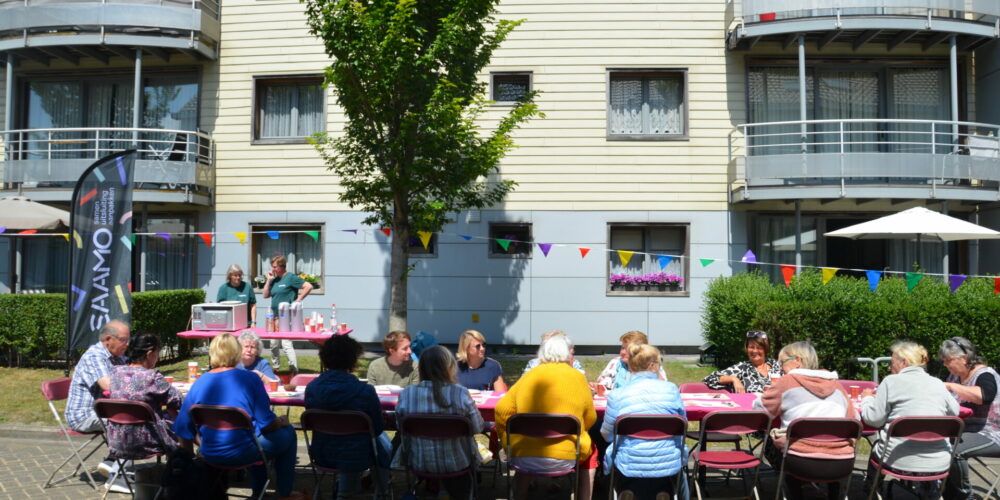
[[865, 159], [40, 30], [174, 166], [860, 22]]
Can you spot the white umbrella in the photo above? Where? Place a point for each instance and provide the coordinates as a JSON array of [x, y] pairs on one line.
[[919, 223], [18, 213]]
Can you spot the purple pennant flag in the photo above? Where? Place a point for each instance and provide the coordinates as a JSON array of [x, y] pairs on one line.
[[355, 231], [956, 281], [164, 236], [749, 257], [3, 229], [545, 248], [873, 277]]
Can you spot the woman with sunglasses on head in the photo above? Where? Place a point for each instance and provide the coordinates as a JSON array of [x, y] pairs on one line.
[[974, 384], [475, 370], [753, 375]]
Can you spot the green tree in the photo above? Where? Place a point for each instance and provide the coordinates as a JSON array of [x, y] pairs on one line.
[[406, 74]]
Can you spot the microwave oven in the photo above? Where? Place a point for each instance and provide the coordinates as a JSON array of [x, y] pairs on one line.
[[225, 316]]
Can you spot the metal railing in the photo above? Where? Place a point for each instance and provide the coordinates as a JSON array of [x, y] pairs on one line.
[[210, 7], [96, 142], [750, 11]]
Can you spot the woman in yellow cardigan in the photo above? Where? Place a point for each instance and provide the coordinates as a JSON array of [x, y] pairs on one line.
[[554, 386]]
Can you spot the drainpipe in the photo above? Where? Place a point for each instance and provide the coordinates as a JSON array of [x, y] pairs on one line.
[[8, 112], [953, 62], [944, 259], [803, 115], [137, 97], [798, 235], [974, 247]]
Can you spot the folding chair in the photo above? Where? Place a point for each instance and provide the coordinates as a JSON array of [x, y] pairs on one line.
[[647, 427], [701, 388], [125, 412], [923, 429], [228, 418], [339, 423], [554, 426], [438, 427], [303, 379], [731, 423], [994, 481], [822, 430], [58, 390]]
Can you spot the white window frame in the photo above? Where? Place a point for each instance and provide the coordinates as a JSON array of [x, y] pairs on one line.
[[685, 260], [648, 73]]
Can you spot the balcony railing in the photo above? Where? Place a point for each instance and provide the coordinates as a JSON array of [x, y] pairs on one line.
[[887, 152], [210, 7], [752, 11]]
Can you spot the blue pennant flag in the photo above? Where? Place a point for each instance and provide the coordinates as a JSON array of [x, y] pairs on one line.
[[873, 278], [664, 261]]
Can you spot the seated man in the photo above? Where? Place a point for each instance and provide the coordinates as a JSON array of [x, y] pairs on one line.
[[396, 367]]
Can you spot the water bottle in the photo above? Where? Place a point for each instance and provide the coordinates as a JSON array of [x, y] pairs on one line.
[[269, 320], [333, 317]]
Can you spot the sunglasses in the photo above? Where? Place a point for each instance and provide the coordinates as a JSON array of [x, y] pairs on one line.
[[756, 334], [478, 346], [787, 359]]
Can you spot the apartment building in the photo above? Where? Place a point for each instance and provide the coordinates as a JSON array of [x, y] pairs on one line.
[[672, 129]]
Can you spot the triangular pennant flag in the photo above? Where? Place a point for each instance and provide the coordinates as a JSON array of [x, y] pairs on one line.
[[28, 231], [706, 262], [749, 258], [355, 231], [207, 238], [625, 256], [787, 272], [425, 238], [273, 234], [912, 279], [3, 229], [242, 237], [503, 243], [996, 286], [584, 251], [313, 234], [131, 238], [65, 235], [873, 278], [545, 247], [165, 236], [386, 231], [828, 273], [956, 281], [465, 237], [664, 261]]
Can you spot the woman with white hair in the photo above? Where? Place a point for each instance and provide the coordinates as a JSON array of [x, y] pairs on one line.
[[554, 386], [250, 359], [546, 336], [235, 289]]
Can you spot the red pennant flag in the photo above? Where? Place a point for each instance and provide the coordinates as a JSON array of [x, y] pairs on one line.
[[387, 231], [207, 238], [583, 252], [788, 272], [28, 231], [996, 286]]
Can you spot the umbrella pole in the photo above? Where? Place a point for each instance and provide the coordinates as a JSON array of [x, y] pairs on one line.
[[920, 253]]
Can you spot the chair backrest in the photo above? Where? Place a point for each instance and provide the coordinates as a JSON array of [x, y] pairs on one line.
[[303, 378], [863, 384], [825, 430], [122, 411], [699, 387], [221, 418], [56, 389], [650, 427], [735, 422], [926, 428], [337, 423], [436, 426], [544, 425]]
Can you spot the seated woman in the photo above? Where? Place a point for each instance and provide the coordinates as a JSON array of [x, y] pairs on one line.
[[250, 358], [975, 386], [617, 373], [806, 391], [535, 361], [553, 387], [338, 389], [645, 466], [139, 380], [224, 385], [753, 375], [438, 393], [909, 391], [396, 367], [475, 370]]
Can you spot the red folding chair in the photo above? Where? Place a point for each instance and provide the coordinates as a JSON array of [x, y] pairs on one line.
[[647, 427], [228, 418], [702, 388], [58, 390], [339, 423], [821, 430], [136, 413], [923, 429], [734, 423], [439, 427], [553, 426]]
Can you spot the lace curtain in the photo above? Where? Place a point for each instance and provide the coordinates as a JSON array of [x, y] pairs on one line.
[[647, 105]]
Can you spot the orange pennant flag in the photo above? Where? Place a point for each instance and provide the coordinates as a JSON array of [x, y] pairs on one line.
[[242, 237], [788, 272], [996, 286], [583, 252], [207, 238], [28, 231], [386, 231]]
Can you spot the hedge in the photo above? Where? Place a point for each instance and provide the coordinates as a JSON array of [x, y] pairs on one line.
[[844, 319], [33, 326]]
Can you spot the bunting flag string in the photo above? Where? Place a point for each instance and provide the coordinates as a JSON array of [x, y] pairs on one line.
[[664, 261], [425, 237], [873, 279], [625, 256], [787, 272], [956, 280], [545, 247], [706, 262], [207, 238], [584, 251], [749, 257], [828, 273], [912, 279]]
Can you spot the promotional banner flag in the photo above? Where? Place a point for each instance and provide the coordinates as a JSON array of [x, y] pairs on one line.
[[912, 279], [956, 280], [545, 247], [749, 258], [664, 261], [100, 271], [787, 272], [873, 278], [828, 273]]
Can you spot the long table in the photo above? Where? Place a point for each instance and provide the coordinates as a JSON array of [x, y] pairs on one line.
[[316, 337]]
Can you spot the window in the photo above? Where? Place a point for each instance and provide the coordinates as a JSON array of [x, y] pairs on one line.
[[647, 105], [288, 109], [645, 271], [165, 263], [301, 244], [518, 238], [508, 88]]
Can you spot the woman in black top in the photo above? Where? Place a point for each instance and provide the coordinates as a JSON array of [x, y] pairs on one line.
[[753, 375]]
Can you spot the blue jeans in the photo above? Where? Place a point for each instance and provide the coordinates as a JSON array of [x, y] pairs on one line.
[[279, 446], [347, 483]]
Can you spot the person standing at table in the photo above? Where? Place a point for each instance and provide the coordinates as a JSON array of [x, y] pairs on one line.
[[397, 366], [283, 287], [238, 290], [475, 370]]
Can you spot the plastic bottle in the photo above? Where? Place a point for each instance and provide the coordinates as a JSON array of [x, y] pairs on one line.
[[333, 316], [269, 320]]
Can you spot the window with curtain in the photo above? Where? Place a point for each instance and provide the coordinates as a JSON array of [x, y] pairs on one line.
[[773, 241], [288, 109], [167, 263], [300, 244], [920, 94], [773, 96], [508, 88], [649, 241], [646, 105], [44, 263]]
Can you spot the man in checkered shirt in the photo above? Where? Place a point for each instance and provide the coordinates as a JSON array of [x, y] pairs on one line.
[[93, 376]]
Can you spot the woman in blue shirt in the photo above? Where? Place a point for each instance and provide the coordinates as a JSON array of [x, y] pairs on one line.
[[475, 370]]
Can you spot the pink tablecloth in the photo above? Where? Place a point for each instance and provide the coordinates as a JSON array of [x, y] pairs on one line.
[[699, 405], [319, 338]]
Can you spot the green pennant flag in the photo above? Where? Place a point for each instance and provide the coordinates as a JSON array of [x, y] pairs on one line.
[[912, 279], [503, 243], [706, 262], [313, 234], [132, 237]]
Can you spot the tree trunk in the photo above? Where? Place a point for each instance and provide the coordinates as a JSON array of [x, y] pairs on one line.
[[398, 268]]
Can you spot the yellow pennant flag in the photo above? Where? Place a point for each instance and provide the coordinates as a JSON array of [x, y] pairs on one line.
[[625, 256], [828, 273], [65, 235], [242, 237], [425, 237]]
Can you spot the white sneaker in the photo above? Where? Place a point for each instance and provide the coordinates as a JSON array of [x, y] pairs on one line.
[[117, 484], [107, 468]]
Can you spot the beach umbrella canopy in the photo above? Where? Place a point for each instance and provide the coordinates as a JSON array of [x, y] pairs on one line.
[[919, 223], [18, 213]]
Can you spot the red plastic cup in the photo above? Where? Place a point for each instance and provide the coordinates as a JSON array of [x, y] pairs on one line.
[[272, 386], [170, 380], [855, 391]]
